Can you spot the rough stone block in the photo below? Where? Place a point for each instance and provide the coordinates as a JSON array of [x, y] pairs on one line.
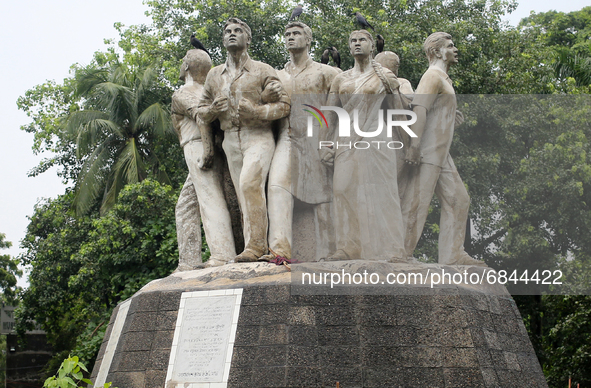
[[137, 340], [166, 320], [308, 377], [155, 378], [422, 377], [338, 335], [273, 335], [335, 315], [302, 356], [463, 378], [129, 379], [142, 321], [269, 377], [271, 356], [383, 356], [244, 356], [147, 301], [169, 300], [159, 359], [134, 361], [460, 358], [301, 315], [163, 339], [303, 335], [347, 377], [339, 355]]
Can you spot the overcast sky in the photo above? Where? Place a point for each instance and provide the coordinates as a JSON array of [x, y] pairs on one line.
[[40, 40]]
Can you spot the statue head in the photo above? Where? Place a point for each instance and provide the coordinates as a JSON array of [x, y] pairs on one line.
[[361, 43], [389, 60], [298, 36], [439, 46], [196, 63], [237, 35]]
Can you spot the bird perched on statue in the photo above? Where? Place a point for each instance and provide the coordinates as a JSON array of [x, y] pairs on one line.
[[297, 11], [380, 43], [362, 21], [336, 57], [325, 56], [197, 44]]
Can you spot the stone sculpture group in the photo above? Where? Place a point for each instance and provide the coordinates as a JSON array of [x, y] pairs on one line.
[[368, 204]]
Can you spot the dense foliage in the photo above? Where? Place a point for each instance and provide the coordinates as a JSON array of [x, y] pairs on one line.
[[522, 158], [8, 273], [83, 266]]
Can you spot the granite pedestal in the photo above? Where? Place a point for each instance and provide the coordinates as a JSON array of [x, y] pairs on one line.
[[440, 337]]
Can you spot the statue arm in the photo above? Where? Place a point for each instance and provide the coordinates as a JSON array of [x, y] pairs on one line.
[[206, 109], [207, 139], [273, 110], [329, 134], [425, 96]]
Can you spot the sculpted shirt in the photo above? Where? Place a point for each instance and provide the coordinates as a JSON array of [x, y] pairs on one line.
[[436, 94], [184, 114], [250, 81], [310, 180]]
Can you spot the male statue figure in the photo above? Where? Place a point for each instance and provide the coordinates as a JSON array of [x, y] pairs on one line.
[[202, 193], [391, 61], [296, 170], [434, 170], [233, 93]]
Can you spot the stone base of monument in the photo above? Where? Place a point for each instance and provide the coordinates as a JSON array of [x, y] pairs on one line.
[[251, 325]]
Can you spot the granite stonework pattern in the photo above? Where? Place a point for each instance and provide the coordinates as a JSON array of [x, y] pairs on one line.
[[448, 338]]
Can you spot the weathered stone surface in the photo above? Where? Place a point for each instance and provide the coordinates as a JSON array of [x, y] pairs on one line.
[[452, 338]]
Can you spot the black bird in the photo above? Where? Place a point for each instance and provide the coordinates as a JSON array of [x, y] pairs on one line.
[[297, 11], [325, 56], [336, 57], [197, 44], [363, 21], [380, 43]]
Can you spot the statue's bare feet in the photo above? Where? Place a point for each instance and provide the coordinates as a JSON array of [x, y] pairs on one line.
[[465, 259], [404, 260], [339, 255], [267, 258], [246, 257]]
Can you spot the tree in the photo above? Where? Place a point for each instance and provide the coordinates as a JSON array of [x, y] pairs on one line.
[[8, 273], [81, 267], [123, 116]]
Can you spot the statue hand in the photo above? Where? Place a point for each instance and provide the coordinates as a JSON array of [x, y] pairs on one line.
[[459, 118], [272, 92], [393, 80], [327, 156], [219, 105], [246, 109], [413, 156]]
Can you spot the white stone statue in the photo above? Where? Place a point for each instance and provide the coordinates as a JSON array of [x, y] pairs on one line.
[[233, 93], [202, 195], [368, 219], [433, 168], [296, 169], [391, 61]]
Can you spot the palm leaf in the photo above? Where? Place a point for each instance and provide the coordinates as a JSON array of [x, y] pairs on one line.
[[129, 168], [155, 120], [87, 79], [119, 101], [92, 132], [92, 176], [79, 118], [145, 84], [131, 163]]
